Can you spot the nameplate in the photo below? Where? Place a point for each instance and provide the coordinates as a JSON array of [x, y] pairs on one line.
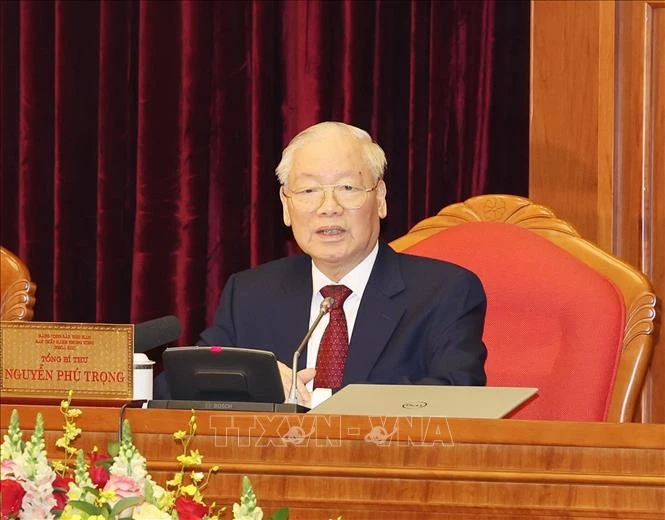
[[44, 360]]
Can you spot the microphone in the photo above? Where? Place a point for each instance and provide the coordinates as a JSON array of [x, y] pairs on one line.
[[155, 333], [326, 305]]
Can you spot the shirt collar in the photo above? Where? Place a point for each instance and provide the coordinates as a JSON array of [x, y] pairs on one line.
[[356, 279]]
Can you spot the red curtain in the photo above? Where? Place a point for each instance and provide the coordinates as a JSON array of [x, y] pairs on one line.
[[139, 139]]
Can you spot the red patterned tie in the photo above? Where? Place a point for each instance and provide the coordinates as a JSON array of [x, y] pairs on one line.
[[335, 341]]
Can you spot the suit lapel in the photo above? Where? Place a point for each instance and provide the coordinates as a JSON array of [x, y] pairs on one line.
[[291, 317], [378, 315]]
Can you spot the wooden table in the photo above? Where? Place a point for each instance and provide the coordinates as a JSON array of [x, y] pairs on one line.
[[402, 468]]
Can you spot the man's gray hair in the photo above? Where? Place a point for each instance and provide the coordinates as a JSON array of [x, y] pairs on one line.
[[374, 156]]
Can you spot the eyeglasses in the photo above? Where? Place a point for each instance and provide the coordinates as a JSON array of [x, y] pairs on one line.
[[311, 198]]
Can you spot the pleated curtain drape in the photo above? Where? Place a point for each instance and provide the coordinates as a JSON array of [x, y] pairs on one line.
[[138, 140]]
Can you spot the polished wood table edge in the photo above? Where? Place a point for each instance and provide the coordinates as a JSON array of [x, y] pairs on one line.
[[379, 505], [445, 432], [389, 508], [443, 474]]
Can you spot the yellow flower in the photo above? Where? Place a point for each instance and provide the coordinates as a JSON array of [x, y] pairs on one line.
[[69, 514], [149, 512], [71, 431], [166, 501], [74, 413], [192, 459], [74, 493], [86, 498], [175, 481], [190, 490], [106, 496]]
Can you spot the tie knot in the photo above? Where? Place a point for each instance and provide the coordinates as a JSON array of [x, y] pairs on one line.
[[338, 293]]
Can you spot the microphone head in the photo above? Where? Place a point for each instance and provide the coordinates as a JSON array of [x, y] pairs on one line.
[[155, 333], [327, 304]]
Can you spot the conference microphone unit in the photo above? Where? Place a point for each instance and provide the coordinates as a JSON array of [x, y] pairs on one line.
[[155, 333], [324, 309]]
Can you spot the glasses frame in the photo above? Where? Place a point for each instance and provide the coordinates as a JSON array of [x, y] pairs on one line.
[[332, 187]]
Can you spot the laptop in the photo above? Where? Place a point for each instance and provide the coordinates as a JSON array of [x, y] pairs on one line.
[[474, 402]]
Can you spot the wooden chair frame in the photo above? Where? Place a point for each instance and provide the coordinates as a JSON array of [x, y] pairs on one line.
[[17, 298], [638, 295]]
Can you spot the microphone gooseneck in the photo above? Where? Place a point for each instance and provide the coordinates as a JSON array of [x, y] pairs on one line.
[[324, 309]]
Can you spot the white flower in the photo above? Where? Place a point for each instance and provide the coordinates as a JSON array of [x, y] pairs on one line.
[[157, 491], [129, 462], [7, 468], [27, 463], [75, 492], [12, 445], [240, 513], [37, 477], [248, 508], [38, 500]]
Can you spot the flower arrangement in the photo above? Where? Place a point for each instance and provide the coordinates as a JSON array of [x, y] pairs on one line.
[[106, 487]]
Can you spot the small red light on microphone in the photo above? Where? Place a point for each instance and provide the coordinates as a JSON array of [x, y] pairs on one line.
[[215, 349]]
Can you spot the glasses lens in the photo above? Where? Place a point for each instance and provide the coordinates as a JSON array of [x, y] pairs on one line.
[[349, 197], [308, 199]]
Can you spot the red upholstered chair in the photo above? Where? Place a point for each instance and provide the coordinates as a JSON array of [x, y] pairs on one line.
[[17, 291], [562, 315]]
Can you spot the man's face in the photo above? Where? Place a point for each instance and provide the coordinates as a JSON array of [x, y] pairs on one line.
[[336, 238]]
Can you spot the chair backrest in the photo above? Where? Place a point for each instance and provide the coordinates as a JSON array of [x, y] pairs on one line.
[[562, 314], [17, 291]]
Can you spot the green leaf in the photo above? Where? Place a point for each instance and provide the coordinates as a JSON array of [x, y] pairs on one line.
[[125, 503], [106, 464], [86, 507], [113, 448], [126, 432], [93, 490], [280, 514], [148, 492]]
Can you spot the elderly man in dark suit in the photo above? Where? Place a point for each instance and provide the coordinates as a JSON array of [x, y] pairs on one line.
[[395, 318]]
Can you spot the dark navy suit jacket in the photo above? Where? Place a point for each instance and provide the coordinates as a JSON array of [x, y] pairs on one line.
[[419, 321]]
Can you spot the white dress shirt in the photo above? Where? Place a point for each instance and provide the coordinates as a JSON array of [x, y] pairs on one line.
[[356, 280]]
